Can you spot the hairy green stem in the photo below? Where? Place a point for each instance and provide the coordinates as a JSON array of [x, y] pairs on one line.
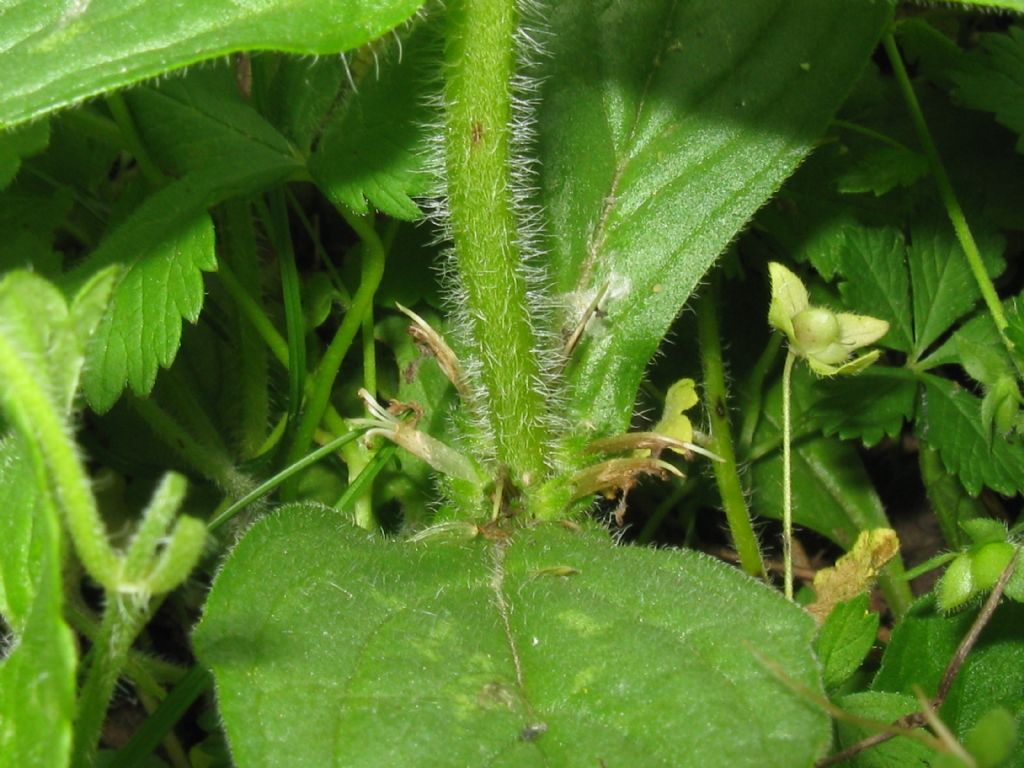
[[122, 621], [787, 476], [480, 59], [30, 409], [716, 403], [949, 198], [326, 374]]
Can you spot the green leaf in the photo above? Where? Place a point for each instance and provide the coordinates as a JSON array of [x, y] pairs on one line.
[[374, 150], [58, 54], [993, 80], [944, 290], [663, 128], [992, 675], [165, 244], [188, 122], [946, 495], [871, 406], [845, 639], [883, 169], [500, 653], [37, 671], [873, 263], [949, 420], [18, 144], [160, 286], [884, 708]]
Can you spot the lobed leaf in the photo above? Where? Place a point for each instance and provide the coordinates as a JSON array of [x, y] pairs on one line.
[[57, 54], [550, 647], [949, 420], [663, 127], [870, 406], [374, 149]]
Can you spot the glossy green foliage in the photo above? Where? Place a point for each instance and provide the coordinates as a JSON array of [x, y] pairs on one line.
[[56, 54], [456, 652], [663, 127]]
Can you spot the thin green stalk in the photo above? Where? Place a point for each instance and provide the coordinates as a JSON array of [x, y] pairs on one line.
[[251, 385], [275, 221], [358, 487], [787, 476], [479, 54], [330, 364], [275, 341], [132, 140], [949, 198], [254, 313], [870, 133], [269, 485], [122, 621], [161, 722], [716, 400]]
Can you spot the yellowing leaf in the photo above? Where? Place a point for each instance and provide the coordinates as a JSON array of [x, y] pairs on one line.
[[681, 397], [855, 572]]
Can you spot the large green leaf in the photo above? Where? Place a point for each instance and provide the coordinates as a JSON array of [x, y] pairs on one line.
[[551, 647], [56, 54], [664, 126]]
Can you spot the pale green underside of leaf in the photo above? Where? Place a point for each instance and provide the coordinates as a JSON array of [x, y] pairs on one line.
[[332, 647], [664, 126], [56, 54]]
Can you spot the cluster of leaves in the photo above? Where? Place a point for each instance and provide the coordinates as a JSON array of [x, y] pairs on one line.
[[201, 272]]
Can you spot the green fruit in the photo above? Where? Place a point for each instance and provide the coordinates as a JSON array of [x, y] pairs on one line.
[[956, 587], [988, 562]]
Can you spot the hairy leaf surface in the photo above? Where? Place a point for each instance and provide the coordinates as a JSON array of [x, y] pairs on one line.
[[56, 54], [550, 647], [664, 126]]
